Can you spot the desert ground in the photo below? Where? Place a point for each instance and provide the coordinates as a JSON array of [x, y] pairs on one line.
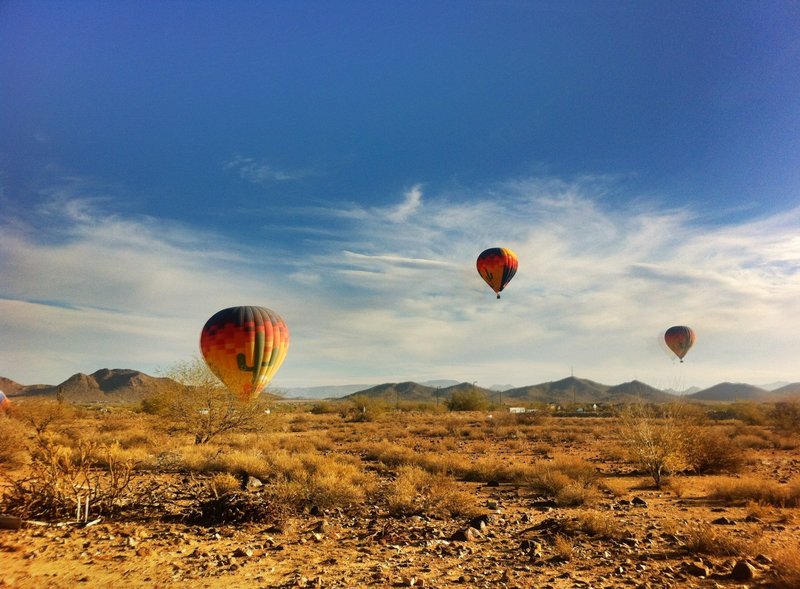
[[329, 495]]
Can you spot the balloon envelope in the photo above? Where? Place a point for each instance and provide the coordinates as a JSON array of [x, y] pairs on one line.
[[244, 347], [4, 402], [497, 266], [679, 339]]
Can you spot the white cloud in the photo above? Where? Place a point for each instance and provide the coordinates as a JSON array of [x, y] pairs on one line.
[[376, 301], [260, 172], [412, 202]]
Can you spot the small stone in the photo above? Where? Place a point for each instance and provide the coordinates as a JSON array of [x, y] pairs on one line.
[[696, 570], [465, 535], [481, 522], [743, 571], [252, 483], [638, 502], [243, 552], [723, 521], [763, 559]]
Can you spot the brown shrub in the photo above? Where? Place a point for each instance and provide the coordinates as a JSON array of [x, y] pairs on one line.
[[601, 524], [416, 491], [716, 541], [14, 444], [758, 490], [787, 569], [712, 450]]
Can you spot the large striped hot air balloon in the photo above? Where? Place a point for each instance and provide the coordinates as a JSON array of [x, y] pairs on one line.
[[679, 339], [497, 267], [244, 347]]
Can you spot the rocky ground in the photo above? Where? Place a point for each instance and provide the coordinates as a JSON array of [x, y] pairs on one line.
[[627, 534], [521, 542]]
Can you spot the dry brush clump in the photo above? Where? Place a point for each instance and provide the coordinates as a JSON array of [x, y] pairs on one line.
[[656, 439], [713, 450], [61, 478], [786, 569], [13, 444], [758, 490], [415, 491], [223, 501], [571, 481], [601, 524], [717, 541]]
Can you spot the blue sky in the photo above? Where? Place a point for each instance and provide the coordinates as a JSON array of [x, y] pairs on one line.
[[343, 163]]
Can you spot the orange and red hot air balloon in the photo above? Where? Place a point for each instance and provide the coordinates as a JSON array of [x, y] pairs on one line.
[[679, 339], [497, 266], [244, 347]]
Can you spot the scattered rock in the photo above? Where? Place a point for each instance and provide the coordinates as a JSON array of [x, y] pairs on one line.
[[465, 535], [252, 483], [723, 521], [481, 522], [743, 571], [243, 553], [696, 570], [638, 502], [763, 559]]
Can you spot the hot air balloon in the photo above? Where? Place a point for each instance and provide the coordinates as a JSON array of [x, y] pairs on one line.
[[244, 347], [497, 267], [4, 402], [679, 339]]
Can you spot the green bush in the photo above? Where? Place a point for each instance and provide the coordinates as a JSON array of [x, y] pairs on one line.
[[469, 400]]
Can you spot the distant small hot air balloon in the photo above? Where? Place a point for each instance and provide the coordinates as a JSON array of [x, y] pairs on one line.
[[244, 347], [4, 402], [497, 266], [679, 339]]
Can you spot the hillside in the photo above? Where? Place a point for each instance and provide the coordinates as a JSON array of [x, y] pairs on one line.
[[630, 392], [406, 391], [9, 387], [117, 386], [120, 386], [732, 391], [566, 390], [787, 391]]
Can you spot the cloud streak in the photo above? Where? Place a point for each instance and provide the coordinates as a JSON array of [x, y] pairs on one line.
[[389, 294], [261, 172]]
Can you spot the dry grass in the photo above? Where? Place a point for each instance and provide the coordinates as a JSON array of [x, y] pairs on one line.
[[571, 481], [563, 546], [787, 569], [14, 445], [758, 490], [416, 491], [718, 541], [601, 524], [713, 450]]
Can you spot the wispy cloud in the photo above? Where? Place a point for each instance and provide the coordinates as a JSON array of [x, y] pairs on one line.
[[371, 298], [259, 171], [412, 202]]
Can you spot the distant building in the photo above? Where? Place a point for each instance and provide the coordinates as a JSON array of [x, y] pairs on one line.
[[516, 409]]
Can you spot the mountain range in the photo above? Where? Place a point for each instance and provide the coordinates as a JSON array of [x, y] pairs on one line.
[[122, 386]]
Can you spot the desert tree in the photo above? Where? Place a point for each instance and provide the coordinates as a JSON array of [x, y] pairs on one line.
[[195, 402], [468, 400], [656, 440], [786, 416]]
